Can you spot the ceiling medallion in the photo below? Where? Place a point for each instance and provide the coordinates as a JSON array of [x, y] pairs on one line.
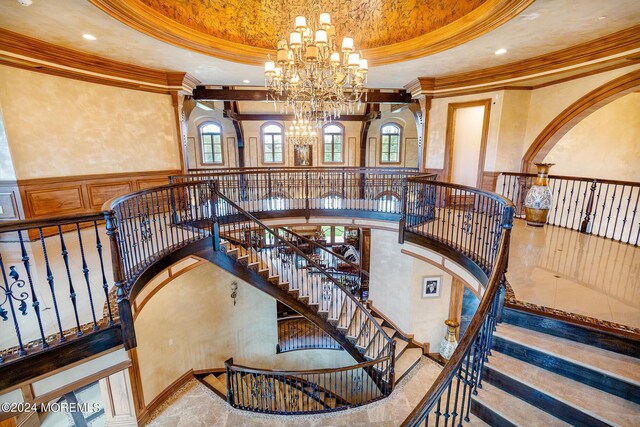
[[313, 78]]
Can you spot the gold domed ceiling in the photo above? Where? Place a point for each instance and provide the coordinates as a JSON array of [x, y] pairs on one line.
[[247, 30], [261, 23]]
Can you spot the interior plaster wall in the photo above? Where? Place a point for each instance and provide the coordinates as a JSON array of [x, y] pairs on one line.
[[396, 289], [62, 127], [606, 144], [192, 323]]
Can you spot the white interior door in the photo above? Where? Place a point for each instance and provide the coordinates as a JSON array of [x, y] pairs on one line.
[[467, 141]]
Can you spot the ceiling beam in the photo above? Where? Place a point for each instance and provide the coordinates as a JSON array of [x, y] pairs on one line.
[[229, 114], [373, 96]]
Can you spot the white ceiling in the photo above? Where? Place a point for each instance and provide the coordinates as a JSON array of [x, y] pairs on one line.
[[546, 26]]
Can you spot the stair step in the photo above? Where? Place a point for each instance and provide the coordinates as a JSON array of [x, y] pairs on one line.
[[389, 331], [400, 346], [215, 382], [596, 338], [612, 372], [562, 397], [495, 406], [408, 360]]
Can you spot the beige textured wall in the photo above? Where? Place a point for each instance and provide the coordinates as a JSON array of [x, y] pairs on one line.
[[191, 323], [513, 125], [7, 173], [396, 289], [63, 127], [606, 144]]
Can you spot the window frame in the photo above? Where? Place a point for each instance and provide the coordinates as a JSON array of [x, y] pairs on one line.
[[400, 131], [262, 144], [342, 135], [201, 139]]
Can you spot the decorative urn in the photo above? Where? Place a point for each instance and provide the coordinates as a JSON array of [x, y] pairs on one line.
[[449, 342], [538, 200]]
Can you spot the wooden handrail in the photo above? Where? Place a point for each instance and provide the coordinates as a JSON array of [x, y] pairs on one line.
[[576, 178], [247, 369], [26, 224]]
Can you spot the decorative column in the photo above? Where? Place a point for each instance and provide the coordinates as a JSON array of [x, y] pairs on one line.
[[117, 397], [422, 92], [182, 86]]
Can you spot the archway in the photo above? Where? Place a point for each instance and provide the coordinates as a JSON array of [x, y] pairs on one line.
[[575, 113]]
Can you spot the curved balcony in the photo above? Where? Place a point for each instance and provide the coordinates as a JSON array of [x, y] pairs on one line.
[[218, 214]]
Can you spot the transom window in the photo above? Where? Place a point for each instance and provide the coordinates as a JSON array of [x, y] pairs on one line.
[[332, 141], [272, 144], [390, 150], [211, 142]]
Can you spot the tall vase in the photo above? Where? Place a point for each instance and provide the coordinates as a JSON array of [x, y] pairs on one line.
[[449, 343], [538, 200]]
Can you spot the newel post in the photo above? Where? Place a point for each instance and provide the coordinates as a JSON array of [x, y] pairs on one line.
[[392, 368], [507, 225], [215, 225], [307, 212], [124, 305], [403, 213], [227, 366]]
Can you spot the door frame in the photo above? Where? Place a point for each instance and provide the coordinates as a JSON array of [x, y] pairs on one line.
[[450, 136]]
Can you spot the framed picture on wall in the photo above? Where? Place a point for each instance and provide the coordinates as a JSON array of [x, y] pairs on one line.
[[302, 155], [431, 286]]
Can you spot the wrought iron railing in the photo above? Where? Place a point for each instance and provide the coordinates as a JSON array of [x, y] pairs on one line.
[[320, 189], [350, 274], [309, 391], [56, 283], [473, 226], [297, 333], [601, 207]]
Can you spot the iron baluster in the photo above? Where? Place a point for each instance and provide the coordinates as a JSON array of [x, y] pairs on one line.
[[34, 298]]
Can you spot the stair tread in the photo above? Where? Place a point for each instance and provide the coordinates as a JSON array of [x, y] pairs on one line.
[[617, 365], [599, 404], [216, 383], [400, 345], [515, 410], [409, 358], [389, 331]]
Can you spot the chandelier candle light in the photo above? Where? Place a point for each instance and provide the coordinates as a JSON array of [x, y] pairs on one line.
[[314, 78]]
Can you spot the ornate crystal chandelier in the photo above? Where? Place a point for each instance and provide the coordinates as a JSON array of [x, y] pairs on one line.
[[312, 77], [301, 132]]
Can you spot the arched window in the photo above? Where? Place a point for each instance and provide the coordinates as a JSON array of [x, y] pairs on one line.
[[332, 143], [211, 143], [390, 143], [272, 146]]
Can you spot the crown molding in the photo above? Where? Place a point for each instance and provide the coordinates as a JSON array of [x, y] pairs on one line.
[[24, 52], [143, 18], [616, 50]]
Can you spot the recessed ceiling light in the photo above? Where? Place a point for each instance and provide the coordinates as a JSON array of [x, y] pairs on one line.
[[246, 81], [89, 37], [501, 51], [602, 17]]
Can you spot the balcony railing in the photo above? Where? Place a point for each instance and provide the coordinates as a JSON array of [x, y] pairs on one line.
[[601, 207], [297, 333]]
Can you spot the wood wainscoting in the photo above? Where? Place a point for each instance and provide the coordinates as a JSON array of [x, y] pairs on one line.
[[47, 197], [489, 180]]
